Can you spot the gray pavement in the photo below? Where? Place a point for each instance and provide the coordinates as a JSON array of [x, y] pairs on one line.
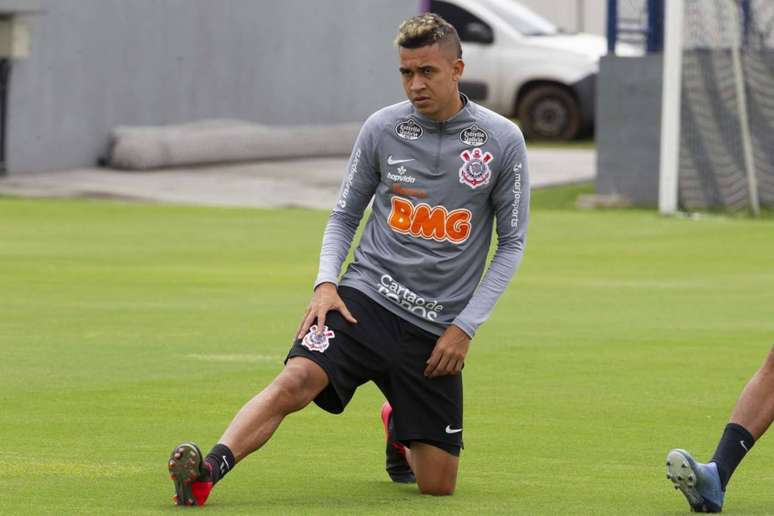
[[309, 183]]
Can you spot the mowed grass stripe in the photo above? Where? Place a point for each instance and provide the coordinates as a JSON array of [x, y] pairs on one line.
[[126, 328]]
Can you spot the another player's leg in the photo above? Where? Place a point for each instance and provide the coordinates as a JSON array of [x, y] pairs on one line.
[[700, 483], [705, 485], [294, 388]]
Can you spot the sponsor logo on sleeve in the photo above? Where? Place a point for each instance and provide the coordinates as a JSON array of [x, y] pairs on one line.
[[516, 195], [342, 202], [314, 342], [408, 299], [409, 130], [429, 222], [475, 170], [474, 136]]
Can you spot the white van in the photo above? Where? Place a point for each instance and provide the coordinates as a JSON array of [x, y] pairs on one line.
[[521, 65]]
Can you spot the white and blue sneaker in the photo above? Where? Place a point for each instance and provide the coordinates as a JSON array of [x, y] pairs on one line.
[[700, 483]]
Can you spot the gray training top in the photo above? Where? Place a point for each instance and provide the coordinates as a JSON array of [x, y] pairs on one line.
[[436, 189]]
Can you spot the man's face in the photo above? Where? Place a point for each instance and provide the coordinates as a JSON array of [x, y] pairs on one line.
[[430, 77]]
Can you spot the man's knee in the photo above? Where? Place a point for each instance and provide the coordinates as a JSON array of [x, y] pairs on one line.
[[437, 487], [434, 468], [298, 384]]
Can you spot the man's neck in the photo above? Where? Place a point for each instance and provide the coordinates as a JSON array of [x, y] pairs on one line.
[[455, 108]]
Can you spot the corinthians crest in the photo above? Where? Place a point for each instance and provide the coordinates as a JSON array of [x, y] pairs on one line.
[[314, 342], [475, 171]]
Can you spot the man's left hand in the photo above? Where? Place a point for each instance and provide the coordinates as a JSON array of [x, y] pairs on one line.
[[448, 356]]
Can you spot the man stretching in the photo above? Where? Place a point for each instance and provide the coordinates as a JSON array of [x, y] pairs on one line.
[[441, 171]]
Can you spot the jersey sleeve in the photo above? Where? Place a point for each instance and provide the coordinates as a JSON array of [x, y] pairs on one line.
[[510, 199], [357, 189]]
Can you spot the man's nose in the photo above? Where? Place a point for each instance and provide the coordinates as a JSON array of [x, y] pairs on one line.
[[417, 83]]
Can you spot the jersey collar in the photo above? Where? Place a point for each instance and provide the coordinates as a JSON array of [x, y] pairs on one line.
[[459, 120]]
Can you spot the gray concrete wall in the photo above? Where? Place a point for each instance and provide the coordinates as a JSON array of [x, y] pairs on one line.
[[97, 64], [19, 6], [628, 127]]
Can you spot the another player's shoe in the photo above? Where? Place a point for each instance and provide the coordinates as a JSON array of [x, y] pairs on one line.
[[700, 483], [190, 474], [396, 464]]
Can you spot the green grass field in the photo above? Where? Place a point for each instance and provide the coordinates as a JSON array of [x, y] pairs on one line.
[[125, 328]]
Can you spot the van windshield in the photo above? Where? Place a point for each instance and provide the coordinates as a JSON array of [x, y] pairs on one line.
[[521, 19]]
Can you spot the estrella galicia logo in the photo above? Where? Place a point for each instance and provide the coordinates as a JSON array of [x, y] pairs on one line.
[[474, 136], [409, 130]]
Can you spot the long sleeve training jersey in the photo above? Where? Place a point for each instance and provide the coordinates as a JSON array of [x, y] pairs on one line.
[[437, 189]]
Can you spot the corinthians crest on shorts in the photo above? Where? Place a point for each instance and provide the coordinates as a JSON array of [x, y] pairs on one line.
[[475, 171], [314, 342]]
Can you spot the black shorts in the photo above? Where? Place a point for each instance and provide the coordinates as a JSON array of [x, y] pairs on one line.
[[392, 353]]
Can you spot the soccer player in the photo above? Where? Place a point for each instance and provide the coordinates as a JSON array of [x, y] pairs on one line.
[[704, 485], [441, 172]]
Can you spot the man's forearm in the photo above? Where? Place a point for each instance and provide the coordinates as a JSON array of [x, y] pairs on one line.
[[499, 274]]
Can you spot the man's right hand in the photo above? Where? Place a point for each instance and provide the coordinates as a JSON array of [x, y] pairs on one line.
[[324, 299]]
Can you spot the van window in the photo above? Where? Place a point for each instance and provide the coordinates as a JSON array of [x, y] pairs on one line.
[[470, 27]]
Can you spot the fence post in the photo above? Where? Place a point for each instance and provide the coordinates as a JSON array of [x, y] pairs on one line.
[[612, 25], [655, 39]]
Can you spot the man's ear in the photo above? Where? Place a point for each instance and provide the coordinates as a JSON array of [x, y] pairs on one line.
[[458, 67]]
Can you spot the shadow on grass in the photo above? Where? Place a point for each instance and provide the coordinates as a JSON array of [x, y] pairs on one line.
[[364, 496]]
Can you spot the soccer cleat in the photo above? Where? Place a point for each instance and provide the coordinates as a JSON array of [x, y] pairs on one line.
[[700, 483], [190, 475], [396, 464]]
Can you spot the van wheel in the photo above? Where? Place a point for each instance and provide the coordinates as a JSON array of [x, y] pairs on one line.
[[549, 113]]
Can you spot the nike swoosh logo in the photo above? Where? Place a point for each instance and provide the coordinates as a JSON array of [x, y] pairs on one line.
[[450, 430], [391, 161], [744, 446]]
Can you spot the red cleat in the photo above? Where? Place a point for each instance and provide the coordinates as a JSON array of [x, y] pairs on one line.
[[396, 464], [190, 475]]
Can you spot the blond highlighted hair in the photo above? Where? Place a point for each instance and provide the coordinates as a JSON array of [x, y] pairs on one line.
[[428, 29]]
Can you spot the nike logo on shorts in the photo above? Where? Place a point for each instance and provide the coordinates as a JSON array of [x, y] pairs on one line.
[[450, 430]]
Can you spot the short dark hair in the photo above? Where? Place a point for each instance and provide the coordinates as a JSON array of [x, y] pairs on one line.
[[428, 29]]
